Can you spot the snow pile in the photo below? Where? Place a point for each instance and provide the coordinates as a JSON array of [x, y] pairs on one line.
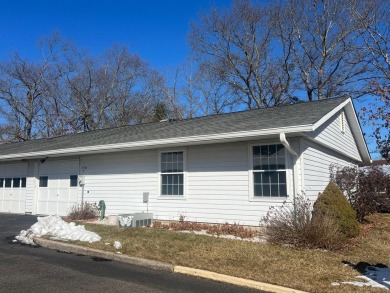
[[377, 277], [117, 245], [57, 228]]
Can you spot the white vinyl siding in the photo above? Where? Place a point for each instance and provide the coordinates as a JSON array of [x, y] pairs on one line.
[[317, 162], [216, 185], [120, 179], [330, 134]]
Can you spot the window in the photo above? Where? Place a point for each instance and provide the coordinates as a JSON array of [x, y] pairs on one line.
[[16, 182], [73, 180], [43, 181], [269, 171], [8, 182], [172, 173], [1, 182], [23, 181]]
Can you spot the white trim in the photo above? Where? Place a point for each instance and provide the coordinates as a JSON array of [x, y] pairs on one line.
[[163, 197], [302, 159], [199, 139], [331, 113]]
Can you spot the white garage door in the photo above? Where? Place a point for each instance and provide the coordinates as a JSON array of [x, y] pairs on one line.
[[58, 187], [13, 188]]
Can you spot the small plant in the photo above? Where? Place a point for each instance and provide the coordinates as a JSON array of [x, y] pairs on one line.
[[332, 203], [83, 211], [182, 217]]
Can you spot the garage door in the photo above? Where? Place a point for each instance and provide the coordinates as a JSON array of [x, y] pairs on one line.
[[58, 187], [13, 188]]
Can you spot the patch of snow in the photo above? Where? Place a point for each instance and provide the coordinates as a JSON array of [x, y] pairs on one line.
[[57, 228], [377, 277], [335, 284], [117, 245]]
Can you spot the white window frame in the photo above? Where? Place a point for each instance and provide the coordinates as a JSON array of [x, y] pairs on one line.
[[287, 169], [181, 197]]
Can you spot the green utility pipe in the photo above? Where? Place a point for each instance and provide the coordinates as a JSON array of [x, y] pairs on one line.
[[102, 208]]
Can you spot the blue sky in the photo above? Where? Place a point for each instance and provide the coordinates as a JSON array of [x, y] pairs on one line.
[[156, 30]]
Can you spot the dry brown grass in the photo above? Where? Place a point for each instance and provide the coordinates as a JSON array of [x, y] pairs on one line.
[[304, 269]]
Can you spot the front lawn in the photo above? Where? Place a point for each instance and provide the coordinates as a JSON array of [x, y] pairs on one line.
[[303, 269]]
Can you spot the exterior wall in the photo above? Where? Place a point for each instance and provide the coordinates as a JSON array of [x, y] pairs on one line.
[[216, 186], [330, 134], [316, 171], [217, 182]]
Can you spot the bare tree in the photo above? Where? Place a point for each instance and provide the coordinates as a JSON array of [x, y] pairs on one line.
[[374, 20], [237, 46], [324, 41], [21, 90]]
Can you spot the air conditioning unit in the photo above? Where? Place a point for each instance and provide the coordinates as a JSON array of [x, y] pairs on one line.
[[135, 220]]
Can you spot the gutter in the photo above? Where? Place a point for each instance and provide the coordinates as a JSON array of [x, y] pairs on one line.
[[156, 143]]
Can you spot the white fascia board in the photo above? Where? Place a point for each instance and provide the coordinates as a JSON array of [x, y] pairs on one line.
[[200, 139], [331, 113], [357, 133]]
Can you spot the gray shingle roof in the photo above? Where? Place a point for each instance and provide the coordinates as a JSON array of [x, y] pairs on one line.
[[260, 119]]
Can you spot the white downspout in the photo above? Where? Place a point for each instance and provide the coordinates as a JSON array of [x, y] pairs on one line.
[[284, 141]]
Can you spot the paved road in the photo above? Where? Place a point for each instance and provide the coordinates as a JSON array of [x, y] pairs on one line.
[[27, 269]]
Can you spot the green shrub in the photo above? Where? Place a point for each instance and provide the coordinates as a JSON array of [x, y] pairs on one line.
[[332, 202], [295, 226]]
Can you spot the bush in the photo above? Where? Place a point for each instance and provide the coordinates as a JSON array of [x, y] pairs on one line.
[[83, 211], [368, 190], [297, 227], [332, 203]]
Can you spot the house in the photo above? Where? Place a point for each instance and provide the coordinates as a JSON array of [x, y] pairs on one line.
[[217, 169]]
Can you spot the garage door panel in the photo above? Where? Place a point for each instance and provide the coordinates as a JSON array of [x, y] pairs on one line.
[[63, 208], [59, 196], [6, 205], [43, 194], [52, 207], [63, 195], [12, 200], [42, 208]]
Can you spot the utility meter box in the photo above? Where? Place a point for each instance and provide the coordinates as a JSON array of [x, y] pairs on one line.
[[135, 220]]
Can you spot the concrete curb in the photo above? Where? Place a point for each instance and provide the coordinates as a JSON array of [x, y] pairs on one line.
[[234, 280], [67, 247]]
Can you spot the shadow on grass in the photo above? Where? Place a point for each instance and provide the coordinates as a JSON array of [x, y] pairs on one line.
[[378, 273]]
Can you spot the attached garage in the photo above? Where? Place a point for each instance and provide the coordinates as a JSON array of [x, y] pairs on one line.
[[13, 188], [57, 187]]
